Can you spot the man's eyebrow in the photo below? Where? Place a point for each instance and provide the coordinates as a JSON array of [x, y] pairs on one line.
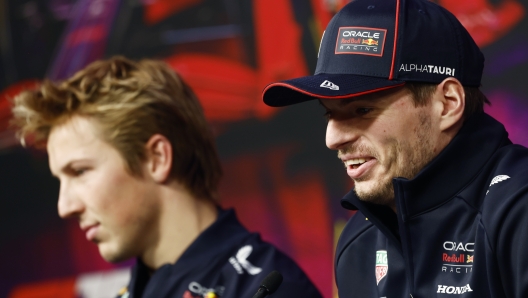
[[65, 168], [346, 101], [62, 169]]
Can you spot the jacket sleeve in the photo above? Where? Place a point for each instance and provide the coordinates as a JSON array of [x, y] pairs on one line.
[[510, 240]]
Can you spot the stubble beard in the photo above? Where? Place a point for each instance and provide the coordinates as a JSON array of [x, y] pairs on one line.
[[409, 158]]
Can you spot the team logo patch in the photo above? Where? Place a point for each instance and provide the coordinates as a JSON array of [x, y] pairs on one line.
[[458, 258], [360, 40], [382, 265]]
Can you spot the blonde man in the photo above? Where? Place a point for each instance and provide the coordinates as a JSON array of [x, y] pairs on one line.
[[138, 168]]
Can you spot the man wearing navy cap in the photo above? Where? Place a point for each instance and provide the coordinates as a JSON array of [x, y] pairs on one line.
[[441, 192]]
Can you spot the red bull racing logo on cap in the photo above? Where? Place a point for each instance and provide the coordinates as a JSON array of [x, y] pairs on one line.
[[360, 40], [370, 42]]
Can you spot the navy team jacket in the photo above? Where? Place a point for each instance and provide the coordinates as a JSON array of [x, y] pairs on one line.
[[461, 228], [224, 261]]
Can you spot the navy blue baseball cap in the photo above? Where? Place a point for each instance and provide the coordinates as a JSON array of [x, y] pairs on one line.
[[373, 45]]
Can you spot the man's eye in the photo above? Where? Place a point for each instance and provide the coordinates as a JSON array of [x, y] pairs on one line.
[[363, 111]]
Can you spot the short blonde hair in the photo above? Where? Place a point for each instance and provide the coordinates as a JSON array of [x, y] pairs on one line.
[[130, 101]]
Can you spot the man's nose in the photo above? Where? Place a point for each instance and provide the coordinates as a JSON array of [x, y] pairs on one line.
[[339, 133], [69, 204]]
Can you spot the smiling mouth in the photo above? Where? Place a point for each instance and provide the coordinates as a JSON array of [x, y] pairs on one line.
[[356, 162]]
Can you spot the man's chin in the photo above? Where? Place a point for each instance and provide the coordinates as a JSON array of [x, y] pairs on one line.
[[375, 194], [113, 255]]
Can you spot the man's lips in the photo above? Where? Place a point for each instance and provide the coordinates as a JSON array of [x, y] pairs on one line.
[[91, 231], [356, 167]]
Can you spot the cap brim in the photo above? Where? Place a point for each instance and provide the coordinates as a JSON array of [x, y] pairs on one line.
[[307, 88]]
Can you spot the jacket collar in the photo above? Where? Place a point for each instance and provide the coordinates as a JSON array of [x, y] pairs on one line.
[[216, 240], [447, 174]]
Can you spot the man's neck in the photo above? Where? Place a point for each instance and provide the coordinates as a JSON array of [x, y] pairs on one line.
[[183, 217]]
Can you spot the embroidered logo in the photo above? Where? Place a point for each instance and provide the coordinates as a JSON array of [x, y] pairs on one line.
[[197, 289], [428, 69], [240, 261], [453, 258], [459, 246], [453, 290], [360, 40], [329, 85], [382, 265], [458, 257], [498, 179]]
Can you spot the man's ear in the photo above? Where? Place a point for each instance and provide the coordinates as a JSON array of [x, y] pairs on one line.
[[452, 98], [159, 158]]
